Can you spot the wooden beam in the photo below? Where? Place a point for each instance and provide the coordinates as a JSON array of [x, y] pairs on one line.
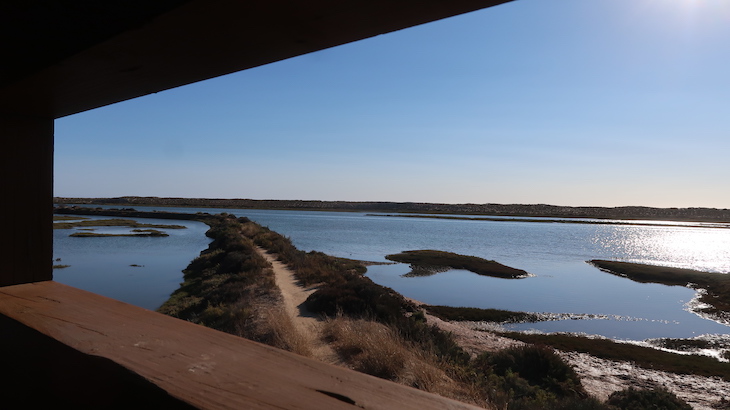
[[42, 373], [203, 39], [201, 366], [27, 188]]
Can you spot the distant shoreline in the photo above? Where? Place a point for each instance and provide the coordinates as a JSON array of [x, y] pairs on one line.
[[519, 210], [564, 221]]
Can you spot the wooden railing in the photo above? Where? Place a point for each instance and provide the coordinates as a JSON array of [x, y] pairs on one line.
[[194, 364]]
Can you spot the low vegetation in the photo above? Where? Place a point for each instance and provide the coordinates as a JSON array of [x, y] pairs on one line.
[[230, 287], [480, 315], [129, 223], [717, 285], [310, 267], [345, 291], [137, 233], [694, 345], [377, 331], [646, 357], [657, 398], [376, 349], [373, 329], [530, 377], [438, 260], [68, 218]]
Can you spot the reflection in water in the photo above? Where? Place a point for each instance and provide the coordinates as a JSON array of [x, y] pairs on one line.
[[420, 271], [690, 248], [142, 271], [556, 254]]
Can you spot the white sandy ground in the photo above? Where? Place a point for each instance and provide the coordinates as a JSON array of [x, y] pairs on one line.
[[599, 377]]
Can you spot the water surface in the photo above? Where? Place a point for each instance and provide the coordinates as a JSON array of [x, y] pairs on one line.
[[104, 265], [554, 253]]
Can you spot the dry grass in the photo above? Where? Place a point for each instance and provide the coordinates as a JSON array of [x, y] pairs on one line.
[[279, 328], [376, 349]]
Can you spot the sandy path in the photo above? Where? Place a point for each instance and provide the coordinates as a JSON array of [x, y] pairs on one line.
[[600, 377], [308, 324]]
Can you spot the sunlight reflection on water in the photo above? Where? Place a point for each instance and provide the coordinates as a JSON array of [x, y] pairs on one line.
[[691, 248], [556, 253]]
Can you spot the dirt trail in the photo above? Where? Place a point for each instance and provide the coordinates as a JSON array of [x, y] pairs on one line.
[[600, 377], [308, 324]]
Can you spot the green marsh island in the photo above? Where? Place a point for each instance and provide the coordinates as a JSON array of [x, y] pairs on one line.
[[429, 262], [86, 224], [231, 286]]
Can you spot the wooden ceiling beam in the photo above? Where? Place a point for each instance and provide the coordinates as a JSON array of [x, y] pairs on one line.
[[202, 39]]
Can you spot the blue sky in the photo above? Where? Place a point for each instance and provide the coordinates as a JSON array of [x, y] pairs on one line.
[[566, 102]]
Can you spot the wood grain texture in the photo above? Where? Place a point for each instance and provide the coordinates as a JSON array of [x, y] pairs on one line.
[[201, 366]]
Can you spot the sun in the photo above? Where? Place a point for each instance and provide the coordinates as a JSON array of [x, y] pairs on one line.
[[692, 10]]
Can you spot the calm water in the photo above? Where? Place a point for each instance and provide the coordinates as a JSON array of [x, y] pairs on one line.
[[102, 265], [554, 253]]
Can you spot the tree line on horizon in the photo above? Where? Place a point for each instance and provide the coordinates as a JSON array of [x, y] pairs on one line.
[[535, 210]]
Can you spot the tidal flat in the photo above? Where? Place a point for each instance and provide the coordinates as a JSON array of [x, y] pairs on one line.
[[85, 222], [485, 293], [584, 299], [135, 232]]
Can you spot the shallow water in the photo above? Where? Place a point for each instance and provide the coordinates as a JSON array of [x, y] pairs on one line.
[[103, 265], [555, 253]]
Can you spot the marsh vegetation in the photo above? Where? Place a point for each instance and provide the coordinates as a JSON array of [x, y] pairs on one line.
[[68, 218], [136, 233], [126, 223], [642, 356], [85, 227], [425, 262], [452, 313], [715, 297], [371, 328]]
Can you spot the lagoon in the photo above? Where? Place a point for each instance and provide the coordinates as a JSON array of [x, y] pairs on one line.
[[554, 253], [142, 271]]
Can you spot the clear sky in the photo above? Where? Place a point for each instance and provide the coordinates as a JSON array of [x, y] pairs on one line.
[[565, 102]]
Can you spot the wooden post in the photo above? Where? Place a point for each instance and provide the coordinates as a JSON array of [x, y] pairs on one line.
[[26, 247]]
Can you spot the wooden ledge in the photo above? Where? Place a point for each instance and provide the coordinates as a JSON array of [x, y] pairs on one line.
[[201, 366]]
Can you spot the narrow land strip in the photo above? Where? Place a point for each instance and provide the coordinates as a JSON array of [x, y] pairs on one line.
[[600, 377], [308, 324]]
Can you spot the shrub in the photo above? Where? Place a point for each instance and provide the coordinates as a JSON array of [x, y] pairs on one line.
[[638, 399], [359, 297], [381, 351], [532, 377], [222, 283]]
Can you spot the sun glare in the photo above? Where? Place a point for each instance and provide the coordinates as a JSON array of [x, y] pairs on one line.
[[690, 248], [691, 11]]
